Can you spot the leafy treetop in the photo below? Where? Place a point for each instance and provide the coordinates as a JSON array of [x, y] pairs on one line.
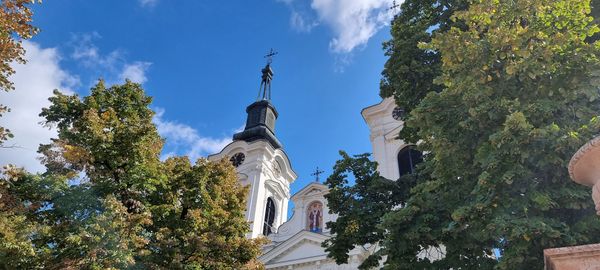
[[517, 96]]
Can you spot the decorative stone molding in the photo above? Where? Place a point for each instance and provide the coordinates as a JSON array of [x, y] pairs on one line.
[[584, 168], [573, 258]]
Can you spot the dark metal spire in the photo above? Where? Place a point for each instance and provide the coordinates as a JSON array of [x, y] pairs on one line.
[[260, 124], [267, 77]]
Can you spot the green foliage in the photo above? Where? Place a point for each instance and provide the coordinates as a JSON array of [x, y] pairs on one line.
[[517, 96], [19, 229], [199, 218], [409, 72], [407, 76], [595, 13], [112, 238], [110, 136], [106, 200], [517, 83], [361, 206]]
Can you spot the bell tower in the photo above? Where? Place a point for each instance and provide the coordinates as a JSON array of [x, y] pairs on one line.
[[261, 162]]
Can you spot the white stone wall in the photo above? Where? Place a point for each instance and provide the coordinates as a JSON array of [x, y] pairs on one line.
[[268, 173], [384, 131]]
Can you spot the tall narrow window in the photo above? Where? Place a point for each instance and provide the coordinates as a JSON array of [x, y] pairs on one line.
[[269, 217], [408, 158]]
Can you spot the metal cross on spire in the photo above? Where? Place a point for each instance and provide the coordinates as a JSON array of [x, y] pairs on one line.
[[270, 55], [394, 6], [267, 76], [317, 173]]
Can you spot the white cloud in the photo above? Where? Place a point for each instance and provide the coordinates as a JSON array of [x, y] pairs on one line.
[[34, 83], [185, 139], [300, 23], [135, 72], [342, 61], [112, 67], [88, 54], [353, 22], [147, 3]]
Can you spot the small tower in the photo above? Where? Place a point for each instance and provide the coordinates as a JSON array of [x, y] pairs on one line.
[[261, 162]]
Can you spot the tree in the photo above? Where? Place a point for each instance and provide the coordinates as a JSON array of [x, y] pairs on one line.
[[16, 247], [15, 25], [199, 219], [107, 201], [518, 87], [407, 76], [409, 72], [595, 13], [518, 100], [360, 207], [109, 148], [109, 136], [20, 233]]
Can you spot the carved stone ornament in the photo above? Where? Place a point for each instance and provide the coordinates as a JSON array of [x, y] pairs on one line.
[[313, 191], [584, 168]]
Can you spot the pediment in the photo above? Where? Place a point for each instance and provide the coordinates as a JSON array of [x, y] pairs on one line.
[[303, 249], [314, 191], [303, 245], [311, 189]]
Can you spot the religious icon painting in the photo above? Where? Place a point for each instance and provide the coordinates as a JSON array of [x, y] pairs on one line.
[[315, 217]]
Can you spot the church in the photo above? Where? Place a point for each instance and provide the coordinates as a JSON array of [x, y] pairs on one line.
[[263, 165]]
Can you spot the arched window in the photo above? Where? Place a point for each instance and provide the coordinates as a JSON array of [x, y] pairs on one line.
[[269, 217], [314, 217], [408, 158]]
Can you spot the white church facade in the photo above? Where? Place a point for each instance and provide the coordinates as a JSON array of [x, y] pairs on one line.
[[263, 165]]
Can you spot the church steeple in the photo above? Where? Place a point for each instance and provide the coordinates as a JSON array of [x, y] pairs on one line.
[[260, 123], [267, 77]]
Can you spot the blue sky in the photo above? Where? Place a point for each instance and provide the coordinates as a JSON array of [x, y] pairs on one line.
[[201, 62]]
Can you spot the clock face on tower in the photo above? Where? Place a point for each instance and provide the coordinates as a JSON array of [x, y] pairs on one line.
[[237, 159], [397, 113]]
